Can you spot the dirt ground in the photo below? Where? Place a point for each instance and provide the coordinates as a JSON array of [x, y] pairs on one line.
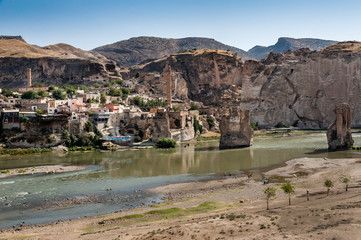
[[232, 208], [49, 169]]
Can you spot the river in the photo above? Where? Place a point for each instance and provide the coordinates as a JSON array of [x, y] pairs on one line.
[[118, 180]]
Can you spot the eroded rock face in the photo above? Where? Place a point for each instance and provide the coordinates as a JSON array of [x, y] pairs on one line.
[[339, 133], [236, 130], [297, 88]]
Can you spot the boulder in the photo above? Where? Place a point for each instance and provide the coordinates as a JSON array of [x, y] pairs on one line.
[[236, 131], [339, 133]]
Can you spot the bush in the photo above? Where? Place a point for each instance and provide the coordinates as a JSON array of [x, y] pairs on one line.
[[197, 126], [29, 95], [165, 143], [210, 122], [194, 106], [254, 126], [58, 94]]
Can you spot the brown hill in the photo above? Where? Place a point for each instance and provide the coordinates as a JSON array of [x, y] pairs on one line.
[[54, 64], [137, 50]]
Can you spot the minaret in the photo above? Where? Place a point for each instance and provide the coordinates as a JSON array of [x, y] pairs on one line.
[[29, 77], [168, 76]]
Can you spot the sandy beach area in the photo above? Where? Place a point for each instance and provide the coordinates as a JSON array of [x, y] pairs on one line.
[[232, 208], [49, 169]]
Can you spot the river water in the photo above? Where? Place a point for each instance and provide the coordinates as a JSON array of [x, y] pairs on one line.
[[118, 180]]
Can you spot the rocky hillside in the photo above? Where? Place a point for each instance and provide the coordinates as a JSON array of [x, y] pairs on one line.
[[54, 64], [139, 49], [299, 88], [284, 44]]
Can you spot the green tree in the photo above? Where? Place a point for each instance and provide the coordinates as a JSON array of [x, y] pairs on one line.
[[288, 189], [345, 180], [328, 184], [89, 126], [115, 92], [58, 94], [51, 88], [38, 85], [137, 74], [29, 95], [138, 101], [39, 112], [42, 93], [103, 98], [96, 85], [114, 101], [270, 193], [118, 81]]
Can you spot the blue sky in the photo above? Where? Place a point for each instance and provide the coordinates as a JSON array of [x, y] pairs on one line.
[[88, 24]]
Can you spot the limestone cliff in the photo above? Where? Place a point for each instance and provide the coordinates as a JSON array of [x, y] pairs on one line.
[[299, 88], [55, 64]]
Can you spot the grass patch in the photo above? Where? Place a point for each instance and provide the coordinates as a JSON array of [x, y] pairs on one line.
[[166, 212], [20, 151], [5, 171], [203, 207]]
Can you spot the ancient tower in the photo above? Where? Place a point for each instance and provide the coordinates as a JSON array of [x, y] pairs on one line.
[[29, 77], [168, 75]]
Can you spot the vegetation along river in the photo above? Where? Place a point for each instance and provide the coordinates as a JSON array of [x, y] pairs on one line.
[[118, 180]]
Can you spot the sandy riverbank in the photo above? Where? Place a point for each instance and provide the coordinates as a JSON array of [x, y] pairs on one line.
[[232, 208], [49, 169]]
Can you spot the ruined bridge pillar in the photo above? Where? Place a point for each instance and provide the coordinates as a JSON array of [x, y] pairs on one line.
[[339, 133], [236, 131]]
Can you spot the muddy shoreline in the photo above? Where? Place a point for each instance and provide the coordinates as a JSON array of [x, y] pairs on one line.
[[48, 169], [232, 208]]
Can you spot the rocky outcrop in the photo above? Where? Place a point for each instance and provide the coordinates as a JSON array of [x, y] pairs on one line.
[[236, 130], [339, 133], [161, 128], [141, 49], [55, 64], [285, 44], [297, 88]]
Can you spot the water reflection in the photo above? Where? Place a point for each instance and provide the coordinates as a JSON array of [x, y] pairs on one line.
[[202, 158]]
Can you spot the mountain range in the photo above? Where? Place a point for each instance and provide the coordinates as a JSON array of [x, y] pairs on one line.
[[144, 49]]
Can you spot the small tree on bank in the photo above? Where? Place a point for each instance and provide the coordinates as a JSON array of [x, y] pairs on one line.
[[270, 193], [288, 189], [345, 180], [328, 184]]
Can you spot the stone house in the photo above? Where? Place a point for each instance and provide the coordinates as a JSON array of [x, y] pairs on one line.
[[10, 118]]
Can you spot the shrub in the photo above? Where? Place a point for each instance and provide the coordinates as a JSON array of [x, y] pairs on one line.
[[165, 143], [194, 106], [29, 95], [210, 122], [254, 126], [197, 126]]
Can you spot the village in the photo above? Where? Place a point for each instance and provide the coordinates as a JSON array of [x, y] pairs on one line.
[[47, 116]]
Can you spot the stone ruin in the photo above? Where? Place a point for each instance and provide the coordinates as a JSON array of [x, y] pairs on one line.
[[339, 133], [236, 131]]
